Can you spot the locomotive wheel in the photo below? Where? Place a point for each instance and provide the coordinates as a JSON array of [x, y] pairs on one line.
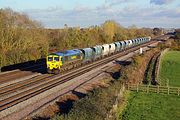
[[56, 72], [49, 71]]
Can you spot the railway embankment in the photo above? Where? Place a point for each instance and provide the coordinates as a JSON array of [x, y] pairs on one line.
[[142, 68]]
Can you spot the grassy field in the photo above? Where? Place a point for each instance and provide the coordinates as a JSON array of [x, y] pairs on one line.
[[170, 68], [143, 106]]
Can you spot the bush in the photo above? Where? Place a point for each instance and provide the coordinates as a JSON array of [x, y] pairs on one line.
[[95, 106], [21, 39]]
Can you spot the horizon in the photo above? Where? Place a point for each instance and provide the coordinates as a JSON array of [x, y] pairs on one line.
[[85, 13]]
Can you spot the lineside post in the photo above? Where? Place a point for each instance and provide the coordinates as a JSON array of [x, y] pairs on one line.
[[147, 88], [168, 90], [137, 88], [140, 51]]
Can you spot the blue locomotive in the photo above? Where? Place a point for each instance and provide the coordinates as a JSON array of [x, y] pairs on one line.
[[60, 61]]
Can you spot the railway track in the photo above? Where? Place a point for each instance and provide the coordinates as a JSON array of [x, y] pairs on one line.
[[10, 89], [15, 74], [35, 86]]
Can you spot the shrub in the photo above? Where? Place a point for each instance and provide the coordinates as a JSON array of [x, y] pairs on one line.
[[95, 106]]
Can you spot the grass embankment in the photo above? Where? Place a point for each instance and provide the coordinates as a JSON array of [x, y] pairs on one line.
[[170, 68], [152, 106]]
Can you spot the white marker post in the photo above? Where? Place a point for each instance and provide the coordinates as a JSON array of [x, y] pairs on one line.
[[141, 51]]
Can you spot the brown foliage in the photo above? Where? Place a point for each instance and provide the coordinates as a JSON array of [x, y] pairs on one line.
[[20, 38], [110, 31]]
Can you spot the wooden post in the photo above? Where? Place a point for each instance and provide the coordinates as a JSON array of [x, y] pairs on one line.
[[168, 90], [178, 91], [158, 89], [137, 88], [147, 88]]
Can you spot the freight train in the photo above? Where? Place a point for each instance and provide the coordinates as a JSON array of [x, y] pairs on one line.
[[61, 61]]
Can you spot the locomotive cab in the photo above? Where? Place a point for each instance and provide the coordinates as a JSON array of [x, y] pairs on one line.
[[54, 63]]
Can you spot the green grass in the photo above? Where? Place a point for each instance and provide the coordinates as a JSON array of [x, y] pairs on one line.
[[152, 106], [170, 68]]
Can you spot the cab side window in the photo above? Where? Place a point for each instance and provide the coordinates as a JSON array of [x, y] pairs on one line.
[[50, 58], [56, 58]]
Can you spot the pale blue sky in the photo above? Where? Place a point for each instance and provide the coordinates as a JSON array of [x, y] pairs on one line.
[[44, 4], [84, 13]]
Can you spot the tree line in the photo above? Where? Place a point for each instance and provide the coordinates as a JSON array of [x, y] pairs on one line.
[[23, 39]]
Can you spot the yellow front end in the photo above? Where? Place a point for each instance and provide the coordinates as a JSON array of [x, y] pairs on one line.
[[53, 62]]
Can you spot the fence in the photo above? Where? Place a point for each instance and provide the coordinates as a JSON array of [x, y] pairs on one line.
[[154, 89]]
